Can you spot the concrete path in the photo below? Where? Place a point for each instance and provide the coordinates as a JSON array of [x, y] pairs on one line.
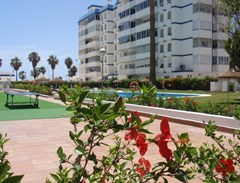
[[33, 144]]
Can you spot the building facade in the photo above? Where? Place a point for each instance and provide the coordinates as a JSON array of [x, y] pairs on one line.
[[189, 40], [5, 79]]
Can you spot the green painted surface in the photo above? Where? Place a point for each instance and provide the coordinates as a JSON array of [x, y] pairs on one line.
[[22, 112]]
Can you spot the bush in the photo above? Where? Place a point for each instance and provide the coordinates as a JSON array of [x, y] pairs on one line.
[[99, 121]]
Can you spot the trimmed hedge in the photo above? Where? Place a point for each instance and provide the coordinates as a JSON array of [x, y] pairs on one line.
[[176, 83]]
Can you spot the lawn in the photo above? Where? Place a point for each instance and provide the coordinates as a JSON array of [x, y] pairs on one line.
[[216, 97], [45, 110]]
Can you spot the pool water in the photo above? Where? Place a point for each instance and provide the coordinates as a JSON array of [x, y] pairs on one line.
[[158, 95]]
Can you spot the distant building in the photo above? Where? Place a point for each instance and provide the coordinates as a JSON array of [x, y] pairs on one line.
[[189, 42], [5, 79]]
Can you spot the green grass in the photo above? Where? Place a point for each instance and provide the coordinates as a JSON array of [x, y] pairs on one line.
[[216, 97], [45, 110]]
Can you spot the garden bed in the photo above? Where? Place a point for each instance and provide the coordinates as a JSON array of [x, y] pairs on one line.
[[224, 123]]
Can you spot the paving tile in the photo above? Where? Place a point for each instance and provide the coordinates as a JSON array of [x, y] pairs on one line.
[[33, 145]]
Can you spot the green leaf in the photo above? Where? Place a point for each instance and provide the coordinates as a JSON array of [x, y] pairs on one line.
[[71, 135], [165, 180], [86, 128], [183, 136], [118, 104], [79, 150], [4, 168], [145, 131], [55, 177], [13, 179], [61, 154], [70, 108], [104, 108], [86, 111], [62, 97], [82, 96]]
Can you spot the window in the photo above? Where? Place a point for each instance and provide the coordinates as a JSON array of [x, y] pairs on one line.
[[202, 42], [161, 33], [169, 47], [161, 2], [169, 31], [168, 1], [161, 48], [169, 15], [201, 7], [161, 18]]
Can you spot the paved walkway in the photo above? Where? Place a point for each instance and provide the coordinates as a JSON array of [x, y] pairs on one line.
[[33, 144]]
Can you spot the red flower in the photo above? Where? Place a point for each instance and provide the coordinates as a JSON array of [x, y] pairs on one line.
[[170, 100], [164, 150], [186, 99], [194, 103], [165, 129], [163, 138], [130, 120], [143, 167], [103, 180], [225, 166], [141, 143], [131, 134], [137, 115]]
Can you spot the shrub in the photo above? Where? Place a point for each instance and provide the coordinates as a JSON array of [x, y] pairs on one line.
[[99, 121]]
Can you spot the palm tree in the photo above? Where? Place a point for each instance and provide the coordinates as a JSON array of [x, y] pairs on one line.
[[35, 72], [68, 62], [42, 70], [72, 71], [22, 75], [34, 58], [16, 64], [53, 61], [152, 42]]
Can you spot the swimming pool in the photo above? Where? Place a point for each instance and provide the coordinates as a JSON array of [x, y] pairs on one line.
[[158, 95]]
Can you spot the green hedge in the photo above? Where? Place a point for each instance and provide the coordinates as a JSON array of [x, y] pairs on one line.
[[176, 83]]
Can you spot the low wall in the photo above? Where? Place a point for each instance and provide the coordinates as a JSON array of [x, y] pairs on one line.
[[224, 123]]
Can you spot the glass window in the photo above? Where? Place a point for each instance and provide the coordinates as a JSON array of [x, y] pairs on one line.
[[161, 33], [161, 2], [161, 18], [169, 47], [169, 31], [161, 48], [169, 16]]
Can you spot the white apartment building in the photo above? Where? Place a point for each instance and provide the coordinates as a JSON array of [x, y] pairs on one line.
[[5, 79], [97, 29], [189, 40]]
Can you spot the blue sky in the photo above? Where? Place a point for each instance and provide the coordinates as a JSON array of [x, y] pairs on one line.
[[44, 26]]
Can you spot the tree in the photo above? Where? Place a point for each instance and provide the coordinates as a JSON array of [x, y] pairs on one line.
[[231, 10], [68, 62], [16, 64], [34, 58], [72, 71], [22, 75], [53, 61], [0, 62], [152, 43], [35, 72], [42, 70]]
